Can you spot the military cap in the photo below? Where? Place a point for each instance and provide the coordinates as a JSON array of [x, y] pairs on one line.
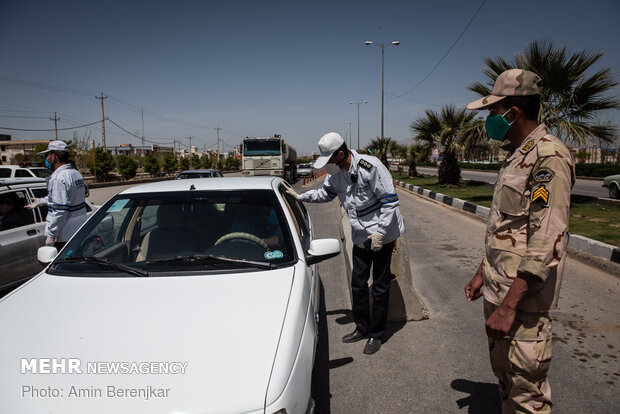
[[512, 82]]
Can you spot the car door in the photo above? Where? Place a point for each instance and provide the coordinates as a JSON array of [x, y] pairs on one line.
[[21, 235]]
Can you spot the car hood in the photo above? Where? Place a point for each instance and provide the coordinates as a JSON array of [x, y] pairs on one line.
[[219, 333]]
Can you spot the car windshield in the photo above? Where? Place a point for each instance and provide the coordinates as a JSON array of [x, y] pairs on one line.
[[190, 231], [41, 172]]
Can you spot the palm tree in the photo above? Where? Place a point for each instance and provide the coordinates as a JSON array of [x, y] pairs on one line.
[[381, 147], [417, 152], [446, 129], [571, 100]]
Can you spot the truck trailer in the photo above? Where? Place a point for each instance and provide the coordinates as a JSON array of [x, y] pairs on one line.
[[268, 156]]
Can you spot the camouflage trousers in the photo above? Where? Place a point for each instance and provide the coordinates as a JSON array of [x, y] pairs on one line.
[[521, 362]]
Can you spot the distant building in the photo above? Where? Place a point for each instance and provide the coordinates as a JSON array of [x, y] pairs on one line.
[[10, 149]]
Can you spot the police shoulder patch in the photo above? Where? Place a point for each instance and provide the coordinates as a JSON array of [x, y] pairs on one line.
[[528, 146], [365, 164], [543, 175], [541, 195]]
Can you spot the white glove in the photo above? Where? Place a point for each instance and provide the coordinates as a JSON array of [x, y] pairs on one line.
[[291, 192], [376, 241], [50, 241], [34, 204]]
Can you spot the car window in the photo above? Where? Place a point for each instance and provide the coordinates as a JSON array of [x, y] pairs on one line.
[[13, 212], [23, 173], [298, 211], [41, 172], [40, 193], [165, 232], [5, 172]]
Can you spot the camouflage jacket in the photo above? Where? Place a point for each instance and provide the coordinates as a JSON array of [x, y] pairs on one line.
[[527, 231]]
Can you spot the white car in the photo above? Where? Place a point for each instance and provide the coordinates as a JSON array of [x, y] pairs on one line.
[[196, 296], [19, 172], [304, 170], [21, 230]]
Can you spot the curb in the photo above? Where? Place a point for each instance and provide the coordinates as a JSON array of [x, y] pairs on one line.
[[590, 246]]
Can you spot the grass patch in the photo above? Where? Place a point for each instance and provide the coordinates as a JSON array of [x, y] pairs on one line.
[[587, 218]]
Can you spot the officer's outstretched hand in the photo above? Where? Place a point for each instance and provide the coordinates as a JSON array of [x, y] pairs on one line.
[[376, 241], [34, 204], [291, 192], [50, 241]]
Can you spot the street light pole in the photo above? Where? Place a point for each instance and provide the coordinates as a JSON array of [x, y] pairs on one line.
[[358, 121], [350, 137], [382, 45]]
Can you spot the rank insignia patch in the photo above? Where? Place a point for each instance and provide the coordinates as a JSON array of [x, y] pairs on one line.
[[528, 146], [365, 164], [540, 195], [543, 175]]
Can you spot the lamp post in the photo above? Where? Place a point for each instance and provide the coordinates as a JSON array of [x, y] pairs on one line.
[[358, 121], [382, 45], [350, 137]]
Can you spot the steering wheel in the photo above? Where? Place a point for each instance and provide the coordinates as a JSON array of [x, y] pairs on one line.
[[245, 236]]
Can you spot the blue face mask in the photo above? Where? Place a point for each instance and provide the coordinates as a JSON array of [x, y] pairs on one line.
[[497, 126], [272, 219], [48, 164]]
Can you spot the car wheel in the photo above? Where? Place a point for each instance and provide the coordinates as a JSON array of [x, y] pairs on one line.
[[614, 192]]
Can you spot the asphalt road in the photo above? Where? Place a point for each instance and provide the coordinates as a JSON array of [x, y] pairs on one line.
[[592, 188], [441, 364]]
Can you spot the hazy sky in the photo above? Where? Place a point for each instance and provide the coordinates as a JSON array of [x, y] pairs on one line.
[[255, 68]]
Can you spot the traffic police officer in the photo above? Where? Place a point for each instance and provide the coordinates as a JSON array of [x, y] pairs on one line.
[[365, 189], [526, 240], [66, 196]]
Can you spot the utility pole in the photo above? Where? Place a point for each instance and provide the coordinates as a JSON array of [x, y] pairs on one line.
[[142, 150], [349, 123], [102, 121], [217, 154], [55, 119], [190, 146]]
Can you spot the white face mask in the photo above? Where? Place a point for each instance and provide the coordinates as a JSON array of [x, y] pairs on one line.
[[331, 168]]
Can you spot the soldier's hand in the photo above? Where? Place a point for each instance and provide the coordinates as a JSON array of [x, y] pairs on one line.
[[472, 289], [499, 323], [34, 204], [291, 192]]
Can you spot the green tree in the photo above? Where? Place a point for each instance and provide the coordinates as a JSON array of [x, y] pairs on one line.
[[447, 129], [126, 166], [102, 165], [195, 161], [206, 161], [572, 100], [381, 147], [151, 165], [170, 163], [232, 163], [417, 152], [184, 163]]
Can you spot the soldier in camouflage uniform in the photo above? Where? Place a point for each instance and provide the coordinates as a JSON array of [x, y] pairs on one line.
[[526, 239]]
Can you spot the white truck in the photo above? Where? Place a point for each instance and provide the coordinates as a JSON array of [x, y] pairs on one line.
[[268, 156]]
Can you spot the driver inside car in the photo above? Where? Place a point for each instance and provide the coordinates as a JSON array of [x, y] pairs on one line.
[[263, 223]]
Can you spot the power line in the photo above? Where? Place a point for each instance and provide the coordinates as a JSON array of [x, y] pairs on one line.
[[48, 130], [37, 85], [445, 54]]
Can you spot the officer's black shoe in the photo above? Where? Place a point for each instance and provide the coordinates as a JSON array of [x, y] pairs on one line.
[[372, 346], [354, 337]]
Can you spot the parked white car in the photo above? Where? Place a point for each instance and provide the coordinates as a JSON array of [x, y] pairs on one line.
[[21, 230], [19, 172], [196, 296]]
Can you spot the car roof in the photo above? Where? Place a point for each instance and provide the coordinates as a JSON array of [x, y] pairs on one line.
[[224, 183], [23, 182], [199, 170]]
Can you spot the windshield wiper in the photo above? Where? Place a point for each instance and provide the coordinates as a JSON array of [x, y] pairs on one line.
[[104, 263], [214, 259]]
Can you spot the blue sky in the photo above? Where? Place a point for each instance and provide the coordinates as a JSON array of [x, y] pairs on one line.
[[255, 68]]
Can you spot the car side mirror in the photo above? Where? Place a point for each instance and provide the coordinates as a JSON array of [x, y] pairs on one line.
[[322, 249], [46, 254]]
